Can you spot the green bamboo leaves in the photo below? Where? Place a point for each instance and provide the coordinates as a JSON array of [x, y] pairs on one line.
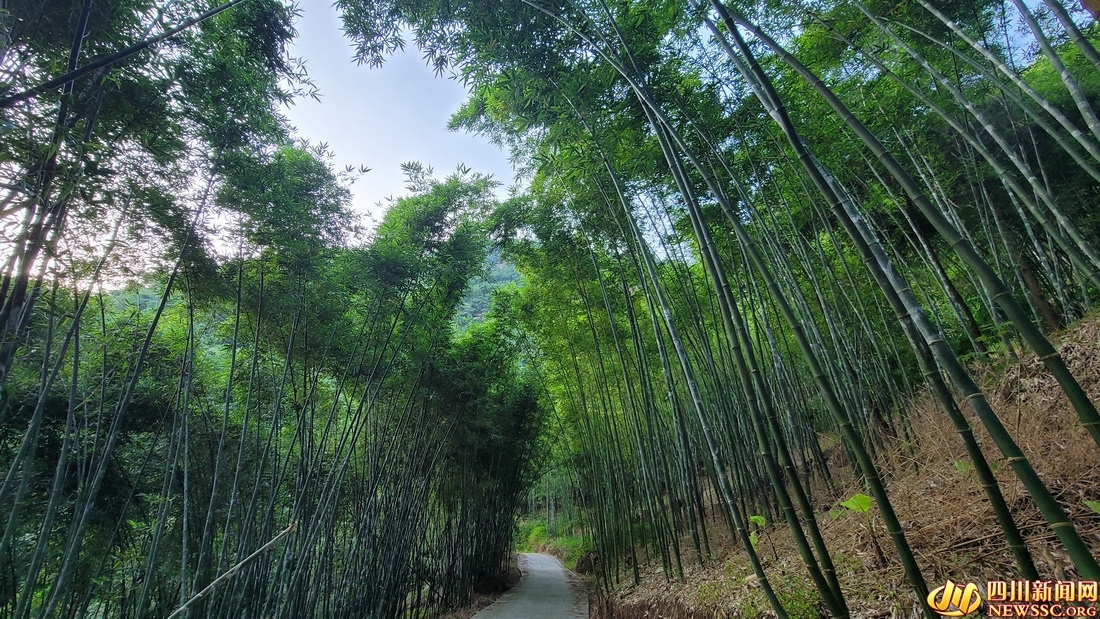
[[751, 238], [776, 266]]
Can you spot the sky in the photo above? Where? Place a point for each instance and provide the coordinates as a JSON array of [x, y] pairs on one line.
[[380, 118]]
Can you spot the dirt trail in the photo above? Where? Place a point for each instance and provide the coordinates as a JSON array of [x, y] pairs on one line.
[[546, 592]]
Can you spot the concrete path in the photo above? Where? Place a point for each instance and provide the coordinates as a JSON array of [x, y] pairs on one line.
[[545, 592]]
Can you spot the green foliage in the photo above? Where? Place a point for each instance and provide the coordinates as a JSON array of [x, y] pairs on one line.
[[754, 537], [531, 535], [291, 199], [571, 548], [1093, 505], [399, 399], [478, 299], [799, 597], [860, 503], [715, 594], [277, 389]]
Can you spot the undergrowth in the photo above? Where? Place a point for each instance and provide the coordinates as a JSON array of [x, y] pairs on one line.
[[941, 506], [533, 535]]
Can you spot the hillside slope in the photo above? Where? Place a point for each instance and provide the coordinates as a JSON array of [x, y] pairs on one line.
[[943, 510]]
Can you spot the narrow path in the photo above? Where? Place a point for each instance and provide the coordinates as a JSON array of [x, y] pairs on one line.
[[545, 592]]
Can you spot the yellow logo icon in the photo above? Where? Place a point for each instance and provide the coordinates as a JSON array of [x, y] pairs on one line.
[[951, 600]]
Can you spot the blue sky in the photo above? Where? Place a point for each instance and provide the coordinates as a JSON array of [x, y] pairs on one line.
[[382, 117]]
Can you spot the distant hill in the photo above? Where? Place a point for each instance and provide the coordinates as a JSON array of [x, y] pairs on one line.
[[475, 305]]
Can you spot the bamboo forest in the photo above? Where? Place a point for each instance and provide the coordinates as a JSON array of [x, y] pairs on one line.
[[791, 312]]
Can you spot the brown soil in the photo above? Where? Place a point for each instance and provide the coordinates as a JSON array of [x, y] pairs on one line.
[[943, 510]]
